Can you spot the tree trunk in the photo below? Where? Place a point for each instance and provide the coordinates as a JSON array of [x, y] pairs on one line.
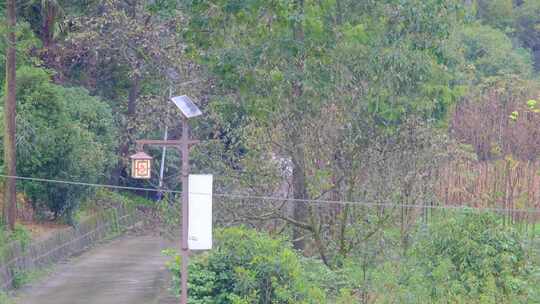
[[339, 13], [128, 130], [299, 174], [47, 27], [10, 192], [299, 192]]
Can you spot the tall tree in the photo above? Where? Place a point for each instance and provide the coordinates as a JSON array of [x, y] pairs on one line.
[[10, 193], [528, 28], [297, 65], [135, 40], [50, 10]]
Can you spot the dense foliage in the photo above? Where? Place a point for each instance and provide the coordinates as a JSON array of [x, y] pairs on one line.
[[466, 257], [63, 134], [375, 101], [463, 258], [248, 267], [273, 72]]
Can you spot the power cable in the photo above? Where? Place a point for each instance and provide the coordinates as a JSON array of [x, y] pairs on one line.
[[281, 199], [36, 179]]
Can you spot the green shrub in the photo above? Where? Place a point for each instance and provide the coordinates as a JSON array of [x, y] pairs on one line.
[[467, 258], [19, 279], [248, 267], [107, 198], [21, 235], [4, 298], [62, 134]]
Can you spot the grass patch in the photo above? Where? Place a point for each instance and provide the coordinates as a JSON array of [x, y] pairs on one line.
[[536, 229], [5, 299], [22, 278], [129, 200], [19, 234]]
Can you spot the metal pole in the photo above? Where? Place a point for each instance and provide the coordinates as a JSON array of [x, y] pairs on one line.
[[162, 168], [185, 210]]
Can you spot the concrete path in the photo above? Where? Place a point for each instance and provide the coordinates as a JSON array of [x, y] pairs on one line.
[[129, 270]]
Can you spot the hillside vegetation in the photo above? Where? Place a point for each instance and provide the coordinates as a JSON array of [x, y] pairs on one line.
[[379, 121]]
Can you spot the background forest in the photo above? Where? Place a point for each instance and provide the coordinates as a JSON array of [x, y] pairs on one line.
[[408, 107]]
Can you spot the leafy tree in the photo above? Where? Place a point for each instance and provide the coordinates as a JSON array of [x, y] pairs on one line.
[[528, 27], [26, 43], [497, 13], [291, 65], [50, 19], [488, 52], [63, 134], [122, 50]]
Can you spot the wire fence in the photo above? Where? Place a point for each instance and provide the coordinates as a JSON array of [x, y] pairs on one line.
[[20, 259]]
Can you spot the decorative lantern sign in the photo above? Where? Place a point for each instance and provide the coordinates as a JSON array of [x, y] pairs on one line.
[[141, 165]]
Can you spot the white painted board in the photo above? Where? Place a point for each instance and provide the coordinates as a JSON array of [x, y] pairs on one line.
[[200, 212]]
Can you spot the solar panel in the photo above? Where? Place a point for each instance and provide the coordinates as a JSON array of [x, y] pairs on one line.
[[186, 106]]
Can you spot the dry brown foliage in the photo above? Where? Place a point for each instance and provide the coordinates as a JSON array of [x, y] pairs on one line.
[[501, 184], [502, 129], [483, 120]]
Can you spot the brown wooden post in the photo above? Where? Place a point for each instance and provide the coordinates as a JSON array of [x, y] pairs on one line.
[[189, 110], [10, 193]]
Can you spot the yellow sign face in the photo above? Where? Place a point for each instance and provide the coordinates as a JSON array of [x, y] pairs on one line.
[[141, 169]]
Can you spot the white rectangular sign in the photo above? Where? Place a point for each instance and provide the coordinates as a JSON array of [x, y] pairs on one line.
[[200, 212]]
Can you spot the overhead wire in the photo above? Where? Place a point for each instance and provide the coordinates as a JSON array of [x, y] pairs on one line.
[[281, 199], [55, 181]]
